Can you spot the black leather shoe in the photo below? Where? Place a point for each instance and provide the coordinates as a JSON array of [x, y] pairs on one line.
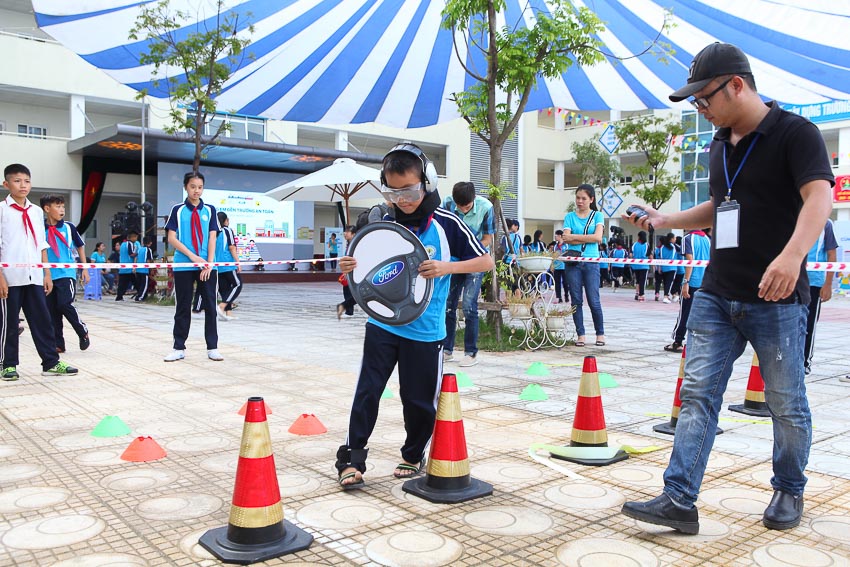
[[783, 512], [662, 512]]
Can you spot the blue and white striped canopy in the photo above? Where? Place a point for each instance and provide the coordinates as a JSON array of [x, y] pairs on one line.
[[388, 61]]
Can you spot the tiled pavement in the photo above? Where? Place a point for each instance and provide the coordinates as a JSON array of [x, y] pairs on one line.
[[67, 499]]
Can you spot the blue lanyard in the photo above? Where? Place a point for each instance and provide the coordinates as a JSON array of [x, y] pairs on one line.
[[740, 166]]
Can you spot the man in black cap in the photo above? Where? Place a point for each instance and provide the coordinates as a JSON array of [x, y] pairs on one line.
[[769, 174]]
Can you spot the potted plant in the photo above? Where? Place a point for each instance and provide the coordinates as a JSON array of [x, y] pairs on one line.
[[519, 306], [535, 262], [556, 317]]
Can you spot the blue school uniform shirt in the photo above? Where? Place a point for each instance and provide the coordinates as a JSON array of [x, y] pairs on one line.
[[560, 248], [826, 241], [180, 221], [512, 248], [639, 250], [143, 256], [127, 255], [618, 253], [698, 245], [222, 249], [576, 226], [447, 239], [66, 255], [665, 253], [679, 256]]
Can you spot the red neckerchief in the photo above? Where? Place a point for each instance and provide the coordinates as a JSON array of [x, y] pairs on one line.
[[52, 234], [27, 222], [197, 231], [698, 232]]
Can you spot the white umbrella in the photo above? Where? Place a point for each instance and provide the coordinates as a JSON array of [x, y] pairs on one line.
[[337, 182]]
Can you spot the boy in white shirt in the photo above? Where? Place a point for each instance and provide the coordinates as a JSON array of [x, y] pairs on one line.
[[22, 241]]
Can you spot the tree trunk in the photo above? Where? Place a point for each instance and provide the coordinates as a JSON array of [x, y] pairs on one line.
[[196, 161], [494, 318]]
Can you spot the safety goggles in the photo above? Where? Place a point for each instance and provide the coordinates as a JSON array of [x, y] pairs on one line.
[[408, 194]]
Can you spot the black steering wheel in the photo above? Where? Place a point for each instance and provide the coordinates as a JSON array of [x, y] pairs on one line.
[[386, 283]]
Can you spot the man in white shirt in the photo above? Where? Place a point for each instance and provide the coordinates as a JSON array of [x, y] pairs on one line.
[[22, 241]]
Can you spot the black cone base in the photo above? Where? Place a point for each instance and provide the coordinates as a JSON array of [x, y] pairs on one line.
[[666, 428], [215, 541], [757, 412], [670, 429], [419, 487], [619, 456]]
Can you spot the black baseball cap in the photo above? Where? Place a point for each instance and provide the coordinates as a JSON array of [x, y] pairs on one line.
[[713, 61]]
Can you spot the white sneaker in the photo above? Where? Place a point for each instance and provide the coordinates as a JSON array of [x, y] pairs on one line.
[[213, 354], [231, 318], [666, 300], [222, 316], [468, 360], [175, 356], [448, 356], [845, 379]]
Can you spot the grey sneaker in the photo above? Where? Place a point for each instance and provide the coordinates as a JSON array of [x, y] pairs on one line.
[[448, 356], [10, 374], [175, 356], [213, 354], [61, 369], [468, 360]]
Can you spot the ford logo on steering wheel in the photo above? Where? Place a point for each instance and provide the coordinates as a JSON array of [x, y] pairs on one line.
[[388, 273]]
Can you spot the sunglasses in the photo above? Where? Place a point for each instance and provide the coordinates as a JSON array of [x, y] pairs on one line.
[[702, 103], [409, 194]]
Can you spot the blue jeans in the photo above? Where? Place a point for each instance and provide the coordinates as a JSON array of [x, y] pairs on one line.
[[585, 275], [470, 284], [718, 332]]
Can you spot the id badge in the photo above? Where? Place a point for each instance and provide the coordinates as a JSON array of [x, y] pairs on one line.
[[726, 226]]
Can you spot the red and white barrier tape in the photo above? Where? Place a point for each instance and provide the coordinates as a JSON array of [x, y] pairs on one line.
[[109, 266], [813, 266]]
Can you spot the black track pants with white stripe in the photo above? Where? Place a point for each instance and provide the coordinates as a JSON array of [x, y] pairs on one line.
[[60, 302], [420, 366]]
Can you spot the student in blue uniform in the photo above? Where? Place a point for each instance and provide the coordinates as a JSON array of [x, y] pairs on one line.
[[229, 283], [639, 252], [62, 237], [192, 228], [144, 255], [820, 286], [127, 255], [697, 246], [409, 182]]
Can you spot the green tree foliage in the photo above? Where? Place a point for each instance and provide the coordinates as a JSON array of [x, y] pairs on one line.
[[194, 65], [596, 166], [515, 57], [651, 136]]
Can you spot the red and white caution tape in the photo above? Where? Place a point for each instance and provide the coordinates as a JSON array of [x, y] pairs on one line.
[[813, 266], [110, 266]]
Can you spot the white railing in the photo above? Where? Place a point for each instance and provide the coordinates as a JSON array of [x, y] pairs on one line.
[[33, 136], [28, 36]]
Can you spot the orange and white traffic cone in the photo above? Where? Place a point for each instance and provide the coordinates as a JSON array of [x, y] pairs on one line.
[[256, 530], [754, 403], [669, 428], [589, 422], [447, 479]]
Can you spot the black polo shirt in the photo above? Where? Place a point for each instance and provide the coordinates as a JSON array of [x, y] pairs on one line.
[[788, 153]]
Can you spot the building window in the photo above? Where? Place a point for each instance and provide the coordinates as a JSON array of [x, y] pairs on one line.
[[241, 127], [695, 144], [31, 131]]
